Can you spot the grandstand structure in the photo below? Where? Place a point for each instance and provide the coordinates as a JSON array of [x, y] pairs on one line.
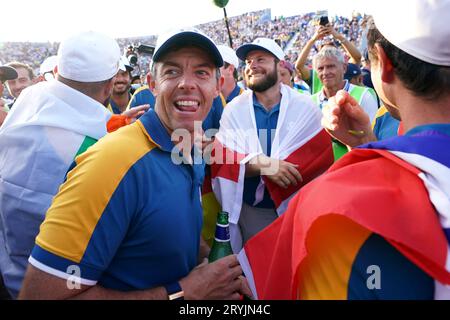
[[291, 33]]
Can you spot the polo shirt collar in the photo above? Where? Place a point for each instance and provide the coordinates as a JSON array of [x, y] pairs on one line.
[[234, 93], [159, 135], [421, 130], [156, 130], [257, 104], [322, 96]]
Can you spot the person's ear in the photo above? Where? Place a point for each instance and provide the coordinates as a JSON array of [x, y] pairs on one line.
[[148, 78], [345, 67], [385, 64], [152, 86], [39, 78], [219, 85]]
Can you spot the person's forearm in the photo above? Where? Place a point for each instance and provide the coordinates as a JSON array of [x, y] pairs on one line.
[[252, 170], [254, 166], [303, 57], [352, 51], [99, 293]]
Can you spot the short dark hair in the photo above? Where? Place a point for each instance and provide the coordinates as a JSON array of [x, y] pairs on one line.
[[423, 79], [235, 72]]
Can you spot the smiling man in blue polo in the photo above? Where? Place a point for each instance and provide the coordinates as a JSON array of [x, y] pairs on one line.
[[127, 223]]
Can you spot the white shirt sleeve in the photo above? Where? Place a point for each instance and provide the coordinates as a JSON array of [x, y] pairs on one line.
[[370, 105]]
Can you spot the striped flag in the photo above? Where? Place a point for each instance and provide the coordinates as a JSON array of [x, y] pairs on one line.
[[402, 195]]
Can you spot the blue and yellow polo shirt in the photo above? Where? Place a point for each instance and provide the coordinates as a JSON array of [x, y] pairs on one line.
[[113, 107], [385, 126], [212, 120], [141, 96], [128, 217], [236, 92]]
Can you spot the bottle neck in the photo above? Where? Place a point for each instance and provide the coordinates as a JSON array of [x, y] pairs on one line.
[[222, 232]]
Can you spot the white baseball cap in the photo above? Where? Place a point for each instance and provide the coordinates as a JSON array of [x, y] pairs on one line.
[[88, 57], [423, 30], [264, 44], [186, 37], [229, 55], [48, 65]]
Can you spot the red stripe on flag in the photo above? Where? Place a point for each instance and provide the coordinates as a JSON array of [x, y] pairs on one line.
[[391, 201], [225, 162], [313, 159], [207, 186]]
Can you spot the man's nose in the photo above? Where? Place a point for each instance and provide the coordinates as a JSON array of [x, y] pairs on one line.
[[187, 82]]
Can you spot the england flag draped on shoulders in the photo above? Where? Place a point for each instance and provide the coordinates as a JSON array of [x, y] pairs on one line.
[[299, 139], [404, 199]]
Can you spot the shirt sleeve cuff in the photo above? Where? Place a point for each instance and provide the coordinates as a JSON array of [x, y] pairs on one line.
[[63, 268]]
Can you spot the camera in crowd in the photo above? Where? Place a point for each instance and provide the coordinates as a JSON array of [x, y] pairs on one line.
[[321, 18], [133, 52], [324, 21]]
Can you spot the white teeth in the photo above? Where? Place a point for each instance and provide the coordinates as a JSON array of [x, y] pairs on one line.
[[187, 103]]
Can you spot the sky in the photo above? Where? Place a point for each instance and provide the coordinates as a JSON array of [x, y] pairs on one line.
[[54, 20]]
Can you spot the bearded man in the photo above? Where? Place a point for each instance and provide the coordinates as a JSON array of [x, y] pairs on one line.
[[275, 140]]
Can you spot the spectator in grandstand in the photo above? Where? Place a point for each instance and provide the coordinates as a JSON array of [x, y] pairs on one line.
[[229, 72], [330, 66], [25, 78], [365, 61], [6, 73], [353, 75], [300, 85], [310, 76], [286, 73], [121, 96], [143, 95], [48, 69]]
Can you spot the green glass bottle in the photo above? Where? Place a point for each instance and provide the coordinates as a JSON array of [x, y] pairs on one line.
[[221, 246]]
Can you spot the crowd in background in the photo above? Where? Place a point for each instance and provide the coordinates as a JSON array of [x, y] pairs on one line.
[[290, 32], [240, 146]]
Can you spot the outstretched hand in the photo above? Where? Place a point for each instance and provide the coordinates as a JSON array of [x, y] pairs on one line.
[[134, 113]]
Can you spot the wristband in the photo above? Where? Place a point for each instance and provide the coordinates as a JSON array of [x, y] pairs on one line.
[[174, 291]]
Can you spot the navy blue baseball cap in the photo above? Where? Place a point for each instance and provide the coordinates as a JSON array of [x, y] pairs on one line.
[[184, 38], [352, 71], [7, 73]]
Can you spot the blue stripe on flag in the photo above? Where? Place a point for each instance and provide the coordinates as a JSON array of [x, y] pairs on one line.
[[434, 146]]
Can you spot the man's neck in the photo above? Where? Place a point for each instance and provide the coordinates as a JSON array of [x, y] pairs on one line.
[[415, 111], [269, 98], [227, 88], [331, 91], [121, 100]]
